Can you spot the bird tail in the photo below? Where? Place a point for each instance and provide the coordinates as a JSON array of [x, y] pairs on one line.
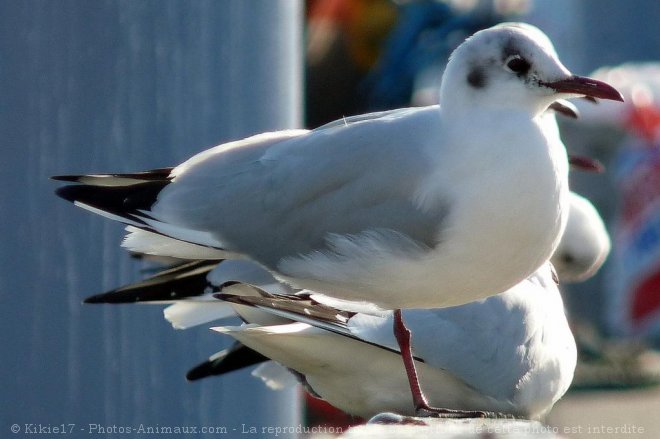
[[128, 198], [121, 197], [182, 281]]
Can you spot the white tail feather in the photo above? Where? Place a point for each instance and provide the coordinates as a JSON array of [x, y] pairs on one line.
[[143, 241], [186, 314], [204, 239], [103, 180], [103, 213], [274, 375]]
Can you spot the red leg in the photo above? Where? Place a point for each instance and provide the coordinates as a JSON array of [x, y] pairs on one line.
[[422, 407]]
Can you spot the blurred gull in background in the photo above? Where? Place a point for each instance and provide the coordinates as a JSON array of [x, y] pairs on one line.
[[585, 244]]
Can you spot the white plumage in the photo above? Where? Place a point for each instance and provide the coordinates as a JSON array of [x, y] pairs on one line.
[[511, 353], [516, 356], [411, 208]]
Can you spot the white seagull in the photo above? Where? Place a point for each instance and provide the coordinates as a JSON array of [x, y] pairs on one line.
[[413, 208], [516, 357]]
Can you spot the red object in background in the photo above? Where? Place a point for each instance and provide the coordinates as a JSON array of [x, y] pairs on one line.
[[637, 233], [644, 121], [320, 413], [646, 298], [337, 11]]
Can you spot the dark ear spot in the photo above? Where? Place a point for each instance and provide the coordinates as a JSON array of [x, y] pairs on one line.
[[476, 78]]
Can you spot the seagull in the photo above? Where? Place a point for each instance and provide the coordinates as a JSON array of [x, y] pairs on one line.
[[412, 208], [517, 358], [585, 244]]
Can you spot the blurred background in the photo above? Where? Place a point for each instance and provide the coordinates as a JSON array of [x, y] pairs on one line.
[[124, 85]]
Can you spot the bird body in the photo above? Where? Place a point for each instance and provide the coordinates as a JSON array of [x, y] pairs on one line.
[[374, 232], [189, 287], [517, 356], [411, 208]]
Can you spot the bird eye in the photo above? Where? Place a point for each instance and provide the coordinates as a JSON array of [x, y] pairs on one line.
[[517, 64]]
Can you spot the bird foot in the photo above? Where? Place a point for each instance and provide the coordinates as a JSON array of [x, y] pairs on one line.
[[395, 419], [436, 412], [426, 411]]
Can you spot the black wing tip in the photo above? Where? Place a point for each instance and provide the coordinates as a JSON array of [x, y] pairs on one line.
[[109, 298], [118, 296], [67, 178], [170, 284], [200, 371], [236, 357], [69, 193], [120, 201], [137, 296], [93, 299], [150, 175]]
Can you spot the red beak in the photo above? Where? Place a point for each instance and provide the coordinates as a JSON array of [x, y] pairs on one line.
[[585, 86], [586, 164]]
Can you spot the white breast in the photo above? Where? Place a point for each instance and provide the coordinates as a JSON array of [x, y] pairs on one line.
[[507, 217], [507, 213]]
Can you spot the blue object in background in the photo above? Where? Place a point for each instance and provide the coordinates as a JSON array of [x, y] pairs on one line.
[[110, 85], [426, 32]]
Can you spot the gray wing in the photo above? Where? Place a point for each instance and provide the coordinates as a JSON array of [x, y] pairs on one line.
[[494, 343], [303, 308], [490, 344], [480, 343], [273, 200], [345, 121]]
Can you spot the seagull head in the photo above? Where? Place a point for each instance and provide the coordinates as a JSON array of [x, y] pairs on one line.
[[515, 66]]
